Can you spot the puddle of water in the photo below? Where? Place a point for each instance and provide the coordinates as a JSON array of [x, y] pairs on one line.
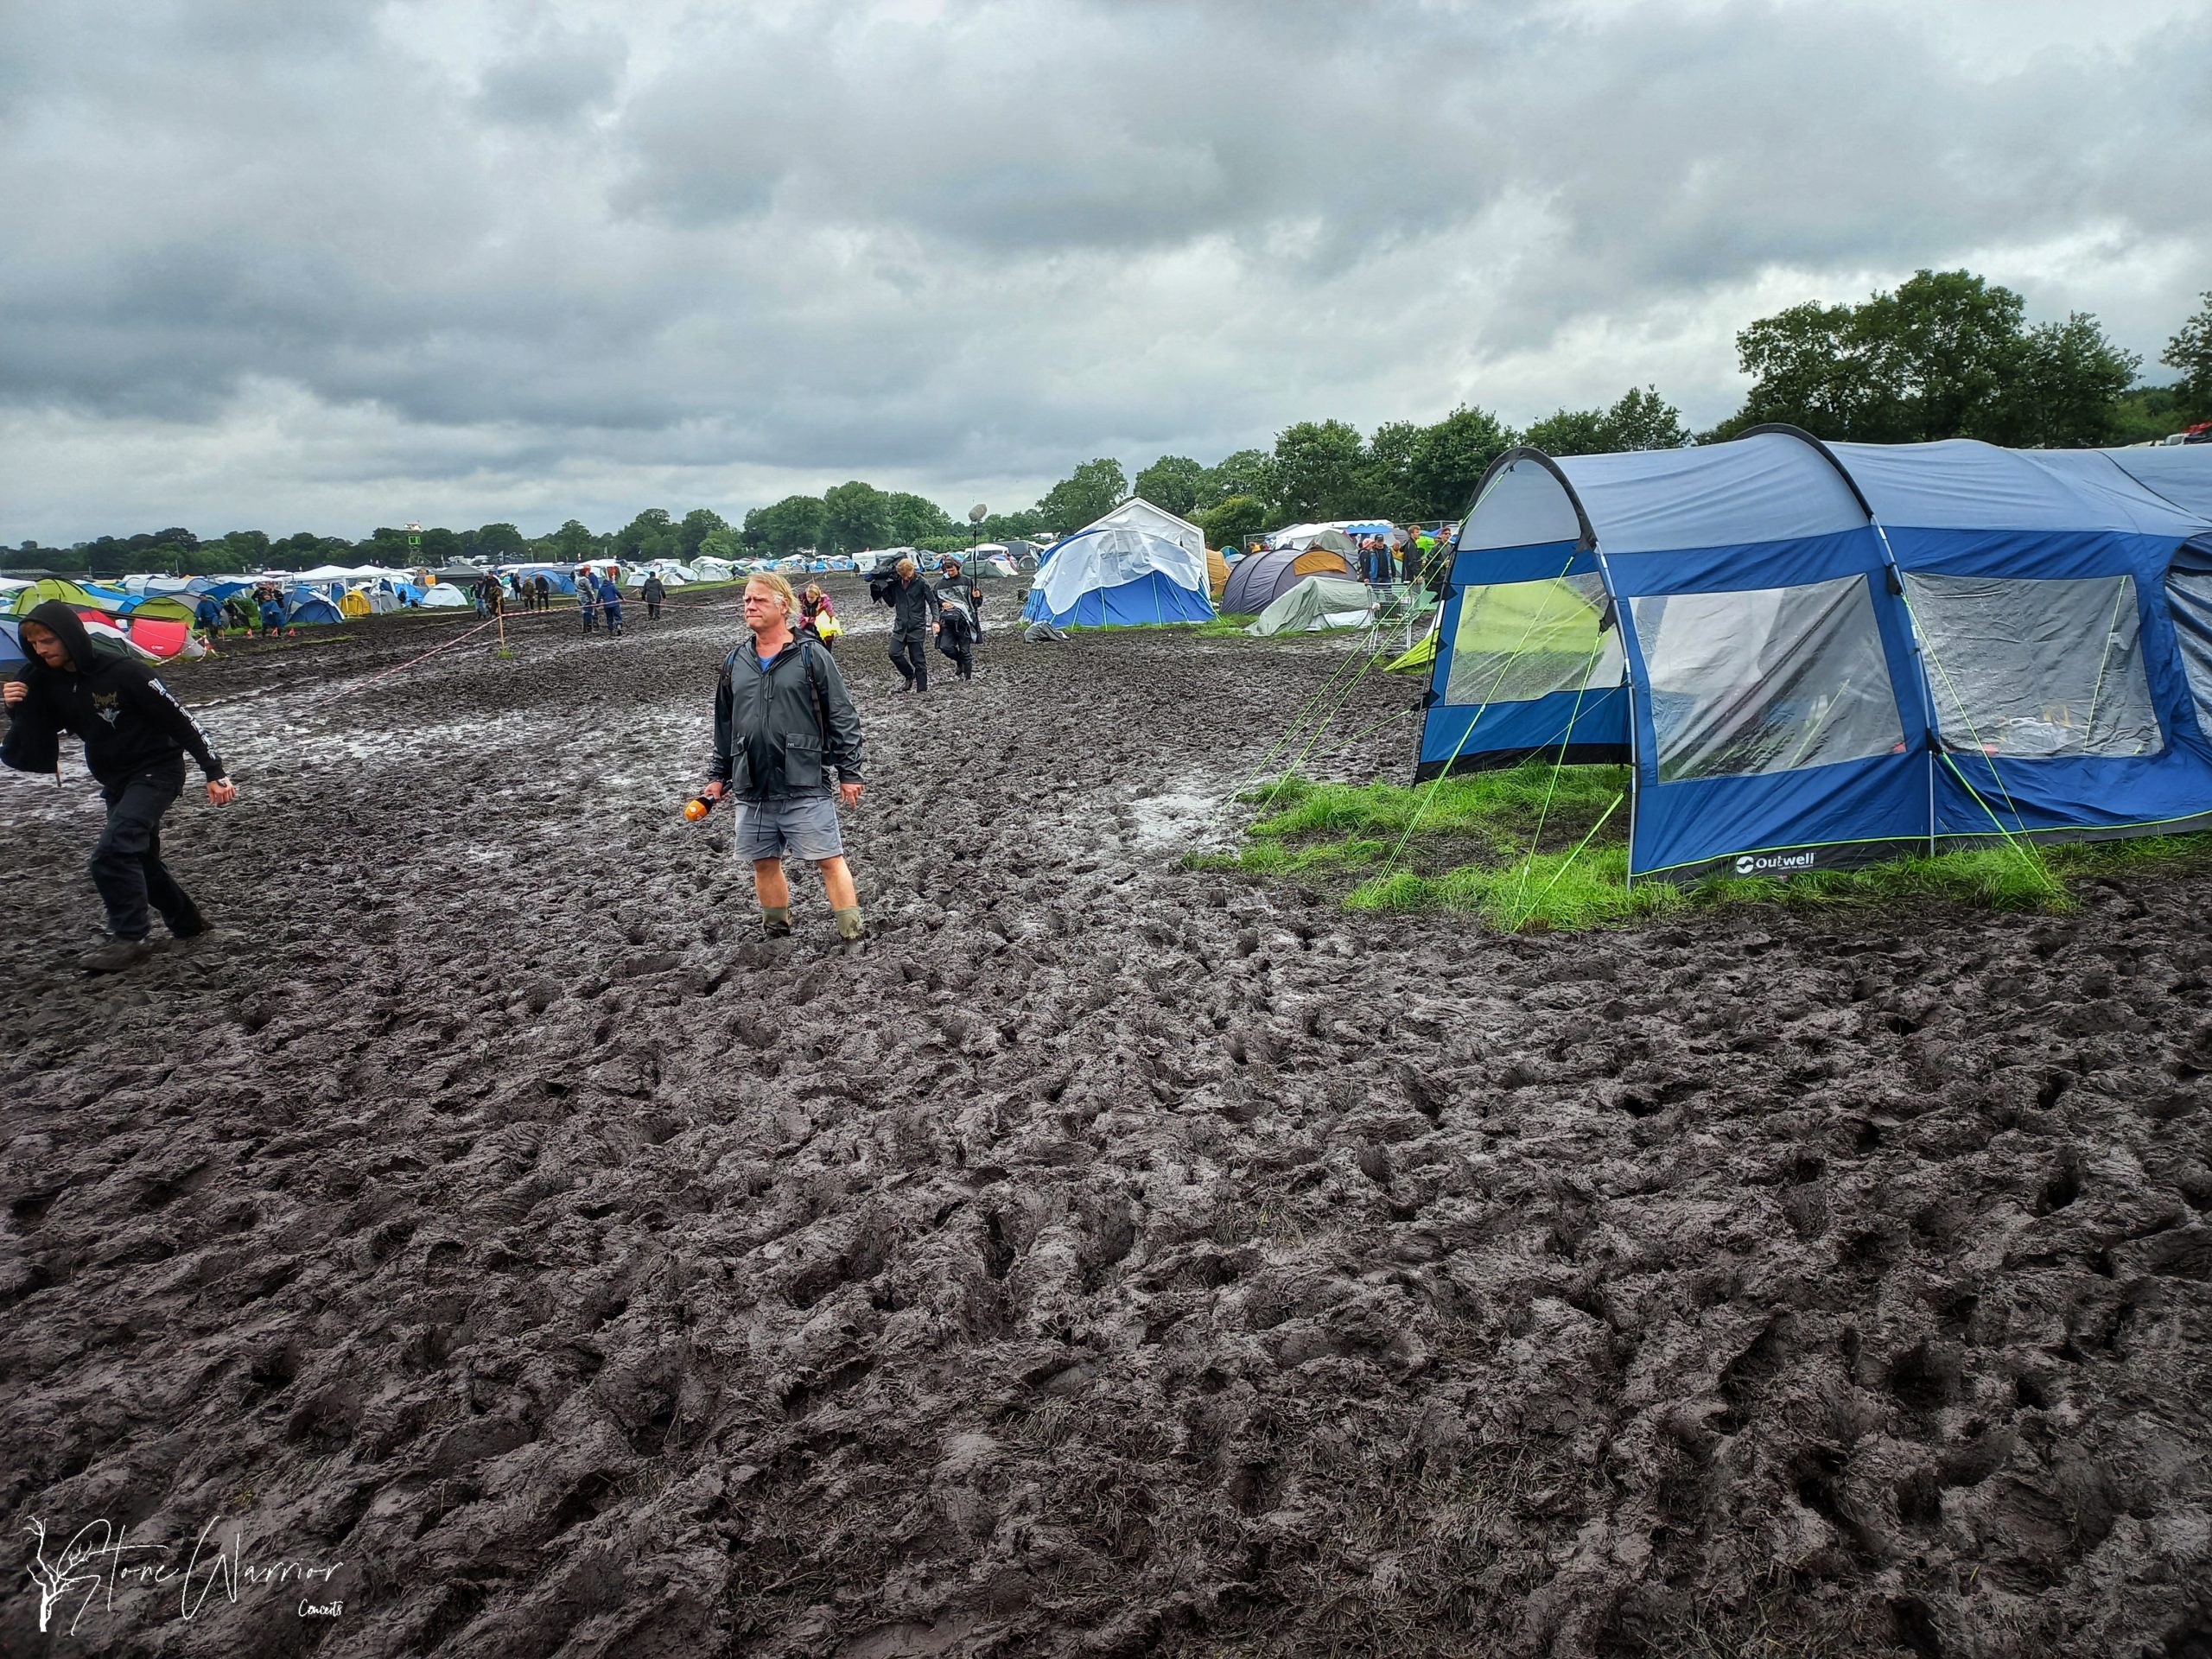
[[1176, 818]]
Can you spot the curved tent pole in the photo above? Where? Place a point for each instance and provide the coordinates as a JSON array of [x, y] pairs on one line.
[[1528, 452], [1783, 428]]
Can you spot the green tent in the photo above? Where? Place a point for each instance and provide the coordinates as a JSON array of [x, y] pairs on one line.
[[1316, 602]]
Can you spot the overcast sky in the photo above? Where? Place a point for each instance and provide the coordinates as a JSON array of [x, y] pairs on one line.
[[285, 265]]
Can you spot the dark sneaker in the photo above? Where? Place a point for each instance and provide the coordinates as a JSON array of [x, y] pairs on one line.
[[187, 927], [775, 930], [115, 956]]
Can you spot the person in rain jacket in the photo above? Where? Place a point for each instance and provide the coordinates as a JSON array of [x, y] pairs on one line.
[[654, 592], [135, 735], [956, 630], [272, 611], [588, 597], [784, 722], [610, 603]]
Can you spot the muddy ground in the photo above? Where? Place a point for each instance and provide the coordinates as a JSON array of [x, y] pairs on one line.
[[1102, 1258]]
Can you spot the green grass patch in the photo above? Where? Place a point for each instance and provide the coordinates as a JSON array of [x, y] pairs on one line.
[[1574, 874]]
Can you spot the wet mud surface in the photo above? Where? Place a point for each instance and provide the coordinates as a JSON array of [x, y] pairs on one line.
[[1104, 1257]]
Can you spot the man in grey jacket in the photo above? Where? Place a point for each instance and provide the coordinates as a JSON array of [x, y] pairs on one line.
[[783, 719]]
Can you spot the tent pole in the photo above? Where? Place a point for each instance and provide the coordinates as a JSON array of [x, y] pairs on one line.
[[1635, 758]]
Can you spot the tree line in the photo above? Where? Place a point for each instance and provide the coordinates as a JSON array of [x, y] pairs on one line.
[[1946, 354]]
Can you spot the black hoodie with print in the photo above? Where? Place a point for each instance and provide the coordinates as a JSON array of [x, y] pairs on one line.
[[127, 718]]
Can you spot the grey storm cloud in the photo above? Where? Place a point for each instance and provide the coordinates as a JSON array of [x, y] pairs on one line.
[[755, 248]]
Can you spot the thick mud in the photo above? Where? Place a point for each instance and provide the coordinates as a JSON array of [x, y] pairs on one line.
[[1103, 1257]]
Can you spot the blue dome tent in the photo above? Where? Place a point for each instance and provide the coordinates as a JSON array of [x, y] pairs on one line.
[[1116, 574], [303, 607], [1817, 656]]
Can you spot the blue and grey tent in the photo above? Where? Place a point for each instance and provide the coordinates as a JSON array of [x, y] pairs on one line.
[[1814, 656], [1117, 575], [303, 607]]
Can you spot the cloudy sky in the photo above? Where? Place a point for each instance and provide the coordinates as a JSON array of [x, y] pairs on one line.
[[327, 265]]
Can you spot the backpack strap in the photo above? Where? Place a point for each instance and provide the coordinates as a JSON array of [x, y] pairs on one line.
[[814, 684]]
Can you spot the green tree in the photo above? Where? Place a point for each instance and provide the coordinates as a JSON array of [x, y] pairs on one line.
[[572, 544], [854, 516], [501, 544], [1947, 355], [1246, 471], [698, 523], [443, 547], [1640, 419], [1450, 460], [1175, 482], [720, 543], [1570, 432], [915, 519], [1944, 350], [2190, 351], [786, 526], [249, 548], [1644, 420], [2147, 414], [2068, 389], [1393, 464], [1319, 470], [1228, 523], [1809, 369], [648, 536], [1092, 491]]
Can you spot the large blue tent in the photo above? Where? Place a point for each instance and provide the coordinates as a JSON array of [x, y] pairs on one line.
[[1814, 656], [1117, 574]]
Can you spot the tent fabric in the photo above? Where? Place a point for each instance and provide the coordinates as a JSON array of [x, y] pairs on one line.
[[1116, 574], [1256, 581], [1416, 660], [1815, 656], [1141, 514], [1315, 603], [446, 596], [303, 608]]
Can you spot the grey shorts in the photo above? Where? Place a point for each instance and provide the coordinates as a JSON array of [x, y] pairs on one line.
[[805, 824]]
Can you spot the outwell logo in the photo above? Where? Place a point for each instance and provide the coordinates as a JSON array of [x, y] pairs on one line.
[[1772, 863]]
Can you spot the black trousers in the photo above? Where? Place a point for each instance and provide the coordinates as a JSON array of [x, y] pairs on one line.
[[961, 652], [653, 610], [910, 659], [126, 863]]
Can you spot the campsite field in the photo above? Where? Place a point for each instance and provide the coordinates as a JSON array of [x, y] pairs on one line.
[[1107, 1256]]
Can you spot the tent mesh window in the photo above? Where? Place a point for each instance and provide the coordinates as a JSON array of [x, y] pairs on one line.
[[1766, 680], [2189, 596], [2036, 667], [1520, 640]]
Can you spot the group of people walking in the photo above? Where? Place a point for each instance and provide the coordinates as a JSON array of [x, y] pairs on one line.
[[948, 614]]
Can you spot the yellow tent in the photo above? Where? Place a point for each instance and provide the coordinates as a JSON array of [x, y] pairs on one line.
[[354, 601], [1417, 660]]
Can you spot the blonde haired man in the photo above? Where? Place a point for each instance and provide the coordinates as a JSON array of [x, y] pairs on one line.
[[783, 720], [914, 612]]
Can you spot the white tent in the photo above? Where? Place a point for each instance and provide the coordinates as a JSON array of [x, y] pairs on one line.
[[1157, 521], [707, 569], [445, 596], [1304, 536]]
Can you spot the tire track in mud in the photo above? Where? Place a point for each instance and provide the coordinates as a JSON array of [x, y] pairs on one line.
[[1104, 1256]]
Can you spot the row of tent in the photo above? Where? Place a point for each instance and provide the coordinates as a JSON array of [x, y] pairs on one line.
[[1813, 656]]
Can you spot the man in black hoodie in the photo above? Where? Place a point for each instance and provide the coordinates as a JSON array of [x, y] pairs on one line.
[[136, 737]]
